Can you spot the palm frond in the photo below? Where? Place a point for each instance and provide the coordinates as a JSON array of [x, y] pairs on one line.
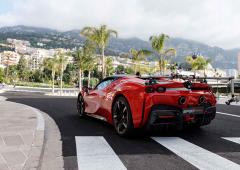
[[170, 51]]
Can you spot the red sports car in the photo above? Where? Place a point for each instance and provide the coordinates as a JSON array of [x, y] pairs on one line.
[[130, 102]]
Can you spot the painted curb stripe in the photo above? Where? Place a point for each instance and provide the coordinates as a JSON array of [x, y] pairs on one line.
[[93, 152], [195, 155], [228, 114], [233, 139]]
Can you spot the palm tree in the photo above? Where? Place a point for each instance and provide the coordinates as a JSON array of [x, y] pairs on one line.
[[90, 60], [90, 65], [199, 63], [100, 36], [51, 64], [85, 61], [78, 57], [158, 45], [62, 60], [137, 56]]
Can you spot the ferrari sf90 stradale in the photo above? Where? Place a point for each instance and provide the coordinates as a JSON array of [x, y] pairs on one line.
[[131, 102]]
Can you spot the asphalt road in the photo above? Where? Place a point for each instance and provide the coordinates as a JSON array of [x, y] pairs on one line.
[[142, 152]]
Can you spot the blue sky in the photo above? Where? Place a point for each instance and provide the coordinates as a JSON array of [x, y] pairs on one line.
[[214, 22]]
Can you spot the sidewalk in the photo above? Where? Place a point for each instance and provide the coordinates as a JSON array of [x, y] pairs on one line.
[[21, 136]]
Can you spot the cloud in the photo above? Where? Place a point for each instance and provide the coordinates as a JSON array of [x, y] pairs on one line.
[[215, 22]]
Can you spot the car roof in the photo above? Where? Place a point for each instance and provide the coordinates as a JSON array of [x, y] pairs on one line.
[[122, 76], [134, 76]]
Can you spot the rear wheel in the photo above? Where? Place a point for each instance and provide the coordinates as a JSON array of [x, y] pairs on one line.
[[122, 117], [80, 106]]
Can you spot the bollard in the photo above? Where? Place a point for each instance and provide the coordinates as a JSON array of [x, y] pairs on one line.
[[232, 86]]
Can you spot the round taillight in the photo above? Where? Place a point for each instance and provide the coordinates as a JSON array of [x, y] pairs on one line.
[[149, 90], [161, 89], [182, 100]]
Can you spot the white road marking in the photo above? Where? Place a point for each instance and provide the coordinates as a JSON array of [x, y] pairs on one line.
[[228, 114], [93, 152], [233, 139], [197, 156]]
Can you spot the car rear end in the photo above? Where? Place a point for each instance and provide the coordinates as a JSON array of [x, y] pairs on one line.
[[169, 103]]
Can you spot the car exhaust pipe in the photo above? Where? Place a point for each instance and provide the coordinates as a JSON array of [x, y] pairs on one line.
[[201, 100]]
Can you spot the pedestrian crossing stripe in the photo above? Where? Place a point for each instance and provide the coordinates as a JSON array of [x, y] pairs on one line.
[[94, 152], [233, 139], [195, 155]]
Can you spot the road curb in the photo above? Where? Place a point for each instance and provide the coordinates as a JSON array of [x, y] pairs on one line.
[[34, 157]]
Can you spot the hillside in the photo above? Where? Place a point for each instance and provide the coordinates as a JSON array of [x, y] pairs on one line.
[[54, 39]]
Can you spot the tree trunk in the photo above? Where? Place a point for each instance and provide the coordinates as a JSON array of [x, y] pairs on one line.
[[135, 68], [80, 79], [163, 67], [89, 78], [139, 66], [7, 69], [7, 72], [53, 77], [160, 67], [61, 78], [103, 63]]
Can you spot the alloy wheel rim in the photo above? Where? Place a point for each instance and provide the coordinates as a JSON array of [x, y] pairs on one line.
[[121, 117]]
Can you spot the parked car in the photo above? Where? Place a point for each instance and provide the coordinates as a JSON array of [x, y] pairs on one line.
[[131, 102]]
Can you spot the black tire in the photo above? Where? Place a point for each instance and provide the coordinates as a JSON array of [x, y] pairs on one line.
[[122, 117], [80, 106]]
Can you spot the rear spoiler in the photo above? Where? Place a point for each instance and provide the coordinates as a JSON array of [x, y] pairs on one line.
[[184, 77], [187, 83]]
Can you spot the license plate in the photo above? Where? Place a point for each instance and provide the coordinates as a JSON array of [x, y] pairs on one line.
[[193, 111]]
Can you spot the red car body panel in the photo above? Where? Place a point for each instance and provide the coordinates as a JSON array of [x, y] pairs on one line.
[[100, 102]]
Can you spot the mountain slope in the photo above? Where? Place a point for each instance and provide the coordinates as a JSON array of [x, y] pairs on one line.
[[54, 39]]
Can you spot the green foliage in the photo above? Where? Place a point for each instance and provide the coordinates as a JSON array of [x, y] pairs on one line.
[[129, 70], [137, 56], [200, 63], [22, 68], [120, 69], [100, 37], [12, 74], [84, 57], [1, 75], [51, 64], [96, 73], [158, 43], [70, 74], [37, 76], [109, 66], [93, 82]]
